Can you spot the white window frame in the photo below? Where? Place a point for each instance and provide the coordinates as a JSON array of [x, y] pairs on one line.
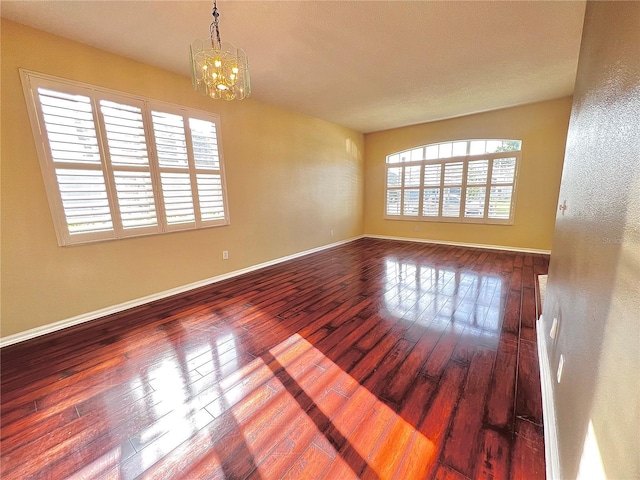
[[408, 160], [31, 81]]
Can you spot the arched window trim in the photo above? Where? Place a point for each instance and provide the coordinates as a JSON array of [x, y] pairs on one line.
[[459, 181]]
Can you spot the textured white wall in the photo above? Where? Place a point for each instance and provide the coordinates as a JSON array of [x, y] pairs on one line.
[[594, 275]]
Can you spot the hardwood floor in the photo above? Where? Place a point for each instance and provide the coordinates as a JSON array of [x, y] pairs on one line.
[[376, 359]]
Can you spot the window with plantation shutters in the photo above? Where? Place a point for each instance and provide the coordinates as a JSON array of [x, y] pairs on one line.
[[116, 165], [470, 181]]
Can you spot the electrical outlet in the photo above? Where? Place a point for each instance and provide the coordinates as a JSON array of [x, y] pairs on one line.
[[332, 232], [416, 228], [554, 328], [560, 367], [225, 255]]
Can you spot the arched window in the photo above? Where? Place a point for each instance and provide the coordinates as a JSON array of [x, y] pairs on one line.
[[461, 181]]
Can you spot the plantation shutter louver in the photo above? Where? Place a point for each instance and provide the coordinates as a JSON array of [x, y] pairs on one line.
[[171, 148], [452, 189], [117, 166], [207, 167], [74, 152], [127, 148], [477, 176], [502, 178], [189, 160], [431, 195]]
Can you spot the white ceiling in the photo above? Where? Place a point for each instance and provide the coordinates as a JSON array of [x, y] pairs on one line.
[[368, 65]]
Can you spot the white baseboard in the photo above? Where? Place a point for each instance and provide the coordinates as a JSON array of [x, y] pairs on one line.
[[461, 244], [548, 407], [86, 317]]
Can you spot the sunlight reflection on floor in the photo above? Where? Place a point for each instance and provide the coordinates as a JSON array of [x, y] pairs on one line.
[[373, 434]]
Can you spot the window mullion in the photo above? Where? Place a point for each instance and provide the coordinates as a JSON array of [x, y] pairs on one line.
[[463, 189], [154, 167], [440, 216], [105, 155], [488, 189], [402, 191], [192, 172], [421, 190], [516, 169]]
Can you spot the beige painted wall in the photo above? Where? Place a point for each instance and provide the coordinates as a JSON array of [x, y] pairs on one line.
[[542, 127], [594, 276], [291, 179]]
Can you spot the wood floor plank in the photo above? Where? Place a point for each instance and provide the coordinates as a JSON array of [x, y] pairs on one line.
[[447, 473], [467, 422], [374, 359], [500, 406], [432, 430], [492, 460], [528, 393], [527, 455]]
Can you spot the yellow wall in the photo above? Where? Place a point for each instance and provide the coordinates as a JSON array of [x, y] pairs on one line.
[[291, 179], [542, 127]]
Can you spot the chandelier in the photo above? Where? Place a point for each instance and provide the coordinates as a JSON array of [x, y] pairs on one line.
[[219, 69]]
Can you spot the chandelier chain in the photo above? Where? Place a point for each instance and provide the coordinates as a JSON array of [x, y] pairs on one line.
[[214, 24]]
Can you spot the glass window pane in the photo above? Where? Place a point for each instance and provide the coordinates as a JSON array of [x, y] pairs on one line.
[[459, 149], [510, 146], [412, 176], [394, 178], [504, 170], [444, 150], [393, 202], [417, 154], [430, 202], [405, 156], [477, 171], [451, 202], [432, 175], [477, 147], [432, 152], [493, 145], [393, 158], [500, 202], [453, 173], [411, 202], [474, 203]]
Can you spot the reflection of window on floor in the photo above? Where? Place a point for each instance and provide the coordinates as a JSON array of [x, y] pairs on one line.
[[425, 294]]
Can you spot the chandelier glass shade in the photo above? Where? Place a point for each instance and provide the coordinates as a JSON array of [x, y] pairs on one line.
[[219, 69]]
